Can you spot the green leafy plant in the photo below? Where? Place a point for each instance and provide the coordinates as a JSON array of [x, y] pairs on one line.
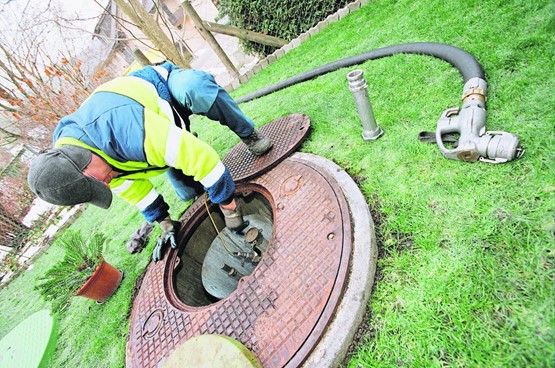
[[82, 256], [9, 263], [283, 19]]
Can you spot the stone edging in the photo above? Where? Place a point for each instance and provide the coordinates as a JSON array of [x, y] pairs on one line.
[[268, 60], [338, 335]]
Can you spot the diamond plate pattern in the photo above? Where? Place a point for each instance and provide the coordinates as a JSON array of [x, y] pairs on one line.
[[287, 133], [279, 311]]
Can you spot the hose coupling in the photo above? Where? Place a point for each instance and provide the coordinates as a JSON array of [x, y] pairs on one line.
[[474, 92]]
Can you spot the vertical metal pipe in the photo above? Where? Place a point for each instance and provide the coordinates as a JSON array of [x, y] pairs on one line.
[[358, 86]]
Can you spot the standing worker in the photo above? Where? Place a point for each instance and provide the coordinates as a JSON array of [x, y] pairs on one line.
[[136, 127]]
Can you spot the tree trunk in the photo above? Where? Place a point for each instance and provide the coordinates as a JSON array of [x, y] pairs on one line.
[[146, 23], [244, 34], [209, 38]]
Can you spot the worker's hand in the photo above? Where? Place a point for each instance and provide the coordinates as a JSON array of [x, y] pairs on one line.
[[233, 217], [169, 229]]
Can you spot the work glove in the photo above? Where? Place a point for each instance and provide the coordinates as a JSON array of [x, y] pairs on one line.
[[140, 238], [169, 229], [234, 218]]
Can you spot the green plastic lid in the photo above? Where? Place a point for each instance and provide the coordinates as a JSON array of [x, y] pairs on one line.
[[31, 343], [209, 351]]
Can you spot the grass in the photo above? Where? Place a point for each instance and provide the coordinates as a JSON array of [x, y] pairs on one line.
[[466, 268]]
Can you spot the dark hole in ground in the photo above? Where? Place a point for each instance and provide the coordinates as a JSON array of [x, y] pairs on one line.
[[199, 280]]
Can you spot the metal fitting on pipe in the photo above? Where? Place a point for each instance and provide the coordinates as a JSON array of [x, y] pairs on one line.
[[469, 122], [358, 86], [231, 272]]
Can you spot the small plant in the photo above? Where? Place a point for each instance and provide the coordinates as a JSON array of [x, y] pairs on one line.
[[9, 263], [82, 256]]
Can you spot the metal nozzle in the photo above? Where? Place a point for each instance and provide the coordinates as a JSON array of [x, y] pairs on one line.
[[254, 238], [358, 86], [253, 257]]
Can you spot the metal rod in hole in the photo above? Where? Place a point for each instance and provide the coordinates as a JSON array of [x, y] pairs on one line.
[[231, 272], [358, 86]]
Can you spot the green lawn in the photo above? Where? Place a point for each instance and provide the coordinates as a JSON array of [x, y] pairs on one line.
[[466, 268]]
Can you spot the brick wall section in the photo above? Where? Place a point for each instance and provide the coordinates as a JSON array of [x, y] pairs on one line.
[[268, 60]]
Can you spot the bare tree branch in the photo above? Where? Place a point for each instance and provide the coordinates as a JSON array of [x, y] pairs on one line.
[[146, 23]]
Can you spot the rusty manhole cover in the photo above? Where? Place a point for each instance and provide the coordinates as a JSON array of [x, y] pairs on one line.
[[287, 133], [282, 308]]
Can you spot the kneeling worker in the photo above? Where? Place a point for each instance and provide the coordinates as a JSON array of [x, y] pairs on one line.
[[135, 127]]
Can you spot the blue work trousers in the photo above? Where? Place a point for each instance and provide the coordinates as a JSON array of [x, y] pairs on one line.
[[199, 93]]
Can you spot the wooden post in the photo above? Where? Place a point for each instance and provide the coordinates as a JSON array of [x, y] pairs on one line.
[[244, 34], [141, 58], [197, 22]]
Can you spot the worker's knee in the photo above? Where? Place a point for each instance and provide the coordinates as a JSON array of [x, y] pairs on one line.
[[185, 187]]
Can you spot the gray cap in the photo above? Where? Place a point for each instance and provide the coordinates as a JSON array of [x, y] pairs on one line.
[[56, 176]]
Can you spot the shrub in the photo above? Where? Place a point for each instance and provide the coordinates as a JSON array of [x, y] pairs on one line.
[[9, 263], [284, 19], [82, 256]]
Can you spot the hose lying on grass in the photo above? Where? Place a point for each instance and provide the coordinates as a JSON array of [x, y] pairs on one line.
[[474, 143], [460, 59]]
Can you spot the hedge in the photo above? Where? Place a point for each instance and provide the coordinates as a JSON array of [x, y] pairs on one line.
[[280, 18]]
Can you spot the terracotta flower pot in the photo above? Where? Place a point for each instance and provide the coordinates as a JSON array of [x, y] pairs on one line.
[[102, 284]]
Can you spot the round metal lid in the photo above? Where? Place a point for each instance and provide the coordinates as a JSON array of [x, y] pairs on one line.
[[287, 134], [31, 343]]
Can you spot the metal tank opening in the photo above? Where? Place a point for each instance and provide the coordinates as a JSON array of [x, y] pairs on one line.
[[211, 263], [300, 303]]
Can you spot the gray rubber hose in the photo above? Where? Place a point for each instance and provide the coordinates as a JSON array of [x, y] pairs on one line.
[[460, 59]]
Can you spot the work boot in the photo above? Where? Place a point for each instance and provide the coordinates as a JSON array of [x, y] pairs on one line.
[[258, 143], [234, 220]]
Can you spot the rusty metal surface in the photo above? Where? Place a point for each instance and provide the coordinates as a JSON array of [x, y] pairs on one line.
[[279, 311], [287, 133]]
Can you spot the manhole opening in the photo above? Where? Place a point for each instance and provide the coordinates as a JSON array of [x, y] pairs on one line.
[[211, 265]]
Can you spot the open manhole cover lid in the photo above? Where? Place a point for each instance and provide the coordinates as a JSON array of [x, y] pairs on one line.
[[287, 134]]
